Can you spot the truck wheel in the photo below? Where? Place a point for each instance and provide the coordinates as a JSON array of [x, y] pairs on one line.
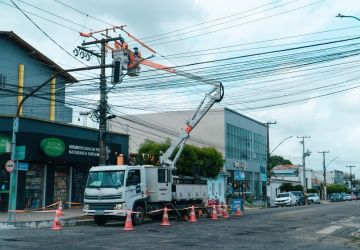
[[100, 220], [138, 218]]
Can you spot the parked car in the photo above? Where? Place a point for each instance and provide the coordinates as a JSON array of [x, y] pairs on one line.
[[285, 199], [354, 197], [300, 197], [314, 198], [358, 196], [346, 197], [335, 197]]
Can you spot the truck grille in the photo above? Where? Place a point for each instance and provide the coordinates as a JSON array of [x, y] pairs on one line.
[[104, 197], [101, 206]]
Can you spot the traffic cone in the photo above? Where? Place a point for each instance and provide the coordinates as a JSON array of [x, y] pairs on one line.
[[219, 210], [225, 212], [60, 208], [165, 220], [192, 214], [214, 213], [238, 211], [128, 223], [56, 223]]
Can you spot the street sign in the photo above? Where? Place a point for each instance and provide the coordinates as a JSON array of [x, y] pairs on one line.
[[20, 153], [22, 166], [10, 165]]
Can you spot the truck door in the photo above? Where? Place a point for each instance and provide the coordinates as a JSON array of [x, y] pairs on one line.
[[164, 185], [134, 188]]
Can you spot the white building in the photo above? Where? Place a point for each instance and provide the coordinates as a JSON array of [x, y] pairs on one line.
[[241, 140]]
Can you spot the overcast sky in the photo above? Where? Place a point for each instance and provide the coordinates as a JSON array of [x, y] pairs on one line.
[[214, 30]]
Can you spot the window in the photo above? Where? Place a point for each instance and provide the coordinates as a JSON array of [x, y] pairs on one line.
[[162, 175], [133, 178]]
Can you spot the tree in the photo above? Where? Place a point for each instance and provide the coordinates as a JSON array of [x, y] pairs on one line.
[[194, 161], [336, 188], [278, 160]]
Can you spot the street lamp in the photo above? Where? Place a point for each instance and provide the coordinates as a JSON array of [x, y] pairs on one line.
[[15, 130], [341, 16], [280, 143]]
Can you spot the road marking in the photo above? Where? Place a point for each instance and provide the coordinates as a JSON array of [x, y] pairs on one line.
[[298, 211], [329, 230]]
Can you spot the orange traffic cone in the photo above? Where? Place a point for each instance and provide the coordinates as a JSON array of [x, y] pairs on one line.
[[214, 213], [128, 223], [192, 214], [56, 223], [165, 220], [225, 212], [238, 211], [219, 210]]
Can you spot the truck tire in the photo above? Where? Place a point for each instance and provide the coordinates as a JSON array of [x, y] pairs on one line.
[[100, 220], [138, 218]]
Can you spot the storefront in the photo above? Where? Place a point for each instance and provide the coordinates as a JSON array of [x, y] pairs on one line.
[[55, 161]]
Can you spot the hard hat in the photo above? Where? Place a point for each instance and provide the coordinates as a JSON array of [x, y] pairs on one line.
[[136, 48]]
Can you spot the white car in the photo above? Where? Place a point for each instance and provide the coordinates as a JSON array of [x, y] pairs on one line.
[[314, 198], [285, 199]]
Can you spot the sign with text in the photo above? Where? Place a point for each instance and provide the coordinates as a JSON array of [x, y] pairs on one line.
[[22, 166]]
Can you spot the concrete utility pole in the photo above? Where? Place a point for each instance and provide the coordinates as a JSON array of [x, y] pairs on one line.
[[324, 169], [268, 156], [307, 153], [351, 176], [103, 106]]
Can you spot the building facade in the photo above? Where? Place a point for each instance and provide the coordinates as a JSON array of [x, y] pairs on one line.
[[55, 162], [22, 67], [240, 139]]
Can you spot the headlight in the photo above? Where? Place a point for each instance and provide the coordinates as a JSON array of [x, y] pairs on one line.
[[118, 206], [86, 206]]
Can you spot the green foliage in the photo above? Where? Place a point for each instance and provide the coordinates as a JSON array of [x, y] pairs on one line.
[[336, 188], [149, 152], [285, 187], [312, 190], [194, 161], [278, 160]]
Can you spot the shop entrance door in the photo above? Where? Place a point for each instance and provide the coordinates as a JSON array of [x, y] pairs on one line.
[[61, 184]]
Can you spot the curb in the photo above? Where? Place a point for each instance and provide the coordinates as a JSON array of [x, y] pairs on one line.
[[44, 223]]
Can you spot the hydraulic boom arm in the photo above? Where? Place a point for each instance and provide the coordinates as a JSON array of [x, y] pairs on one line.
[[214, 95]]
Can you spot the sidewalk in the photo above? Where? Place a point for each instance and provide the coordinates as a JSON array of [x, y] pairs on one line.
[[44, 219]]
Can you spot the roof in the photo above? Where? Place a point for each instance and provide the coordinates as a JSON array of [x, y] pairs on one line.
[[285, 167], [38, 55]]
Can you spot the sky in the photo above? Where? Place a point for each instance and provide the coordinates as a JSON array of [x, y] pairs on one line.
[[260, 50]]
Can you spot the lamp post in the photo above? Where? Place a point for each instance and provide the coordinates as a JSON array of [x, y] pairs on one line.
[[354, 17], [15, 130], [280, 144]]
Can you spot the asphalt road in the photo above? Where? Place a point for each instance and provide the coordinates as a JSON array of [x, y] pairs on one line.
[[326, 226]]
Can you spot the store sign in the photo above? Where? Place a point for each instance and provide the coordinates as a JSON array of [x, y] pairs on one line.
[[52, 147], [5, 142]]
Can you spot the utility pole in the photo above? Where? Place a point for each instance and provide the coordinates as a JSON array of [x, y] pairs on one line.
[[324, 169], [351, 176], [103, 106], [304, 154], [268, 173]]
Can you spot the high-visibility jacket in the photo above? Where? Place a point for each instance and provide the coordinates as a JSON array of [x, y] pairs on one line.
[[124, 46]]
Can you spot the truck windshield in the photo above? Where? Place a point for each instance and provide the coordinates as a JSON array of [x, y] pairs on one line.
[[106, 179]]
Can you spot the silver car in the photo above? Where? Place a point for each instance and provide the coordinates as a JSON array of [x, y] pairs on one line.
[[314, 198]]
